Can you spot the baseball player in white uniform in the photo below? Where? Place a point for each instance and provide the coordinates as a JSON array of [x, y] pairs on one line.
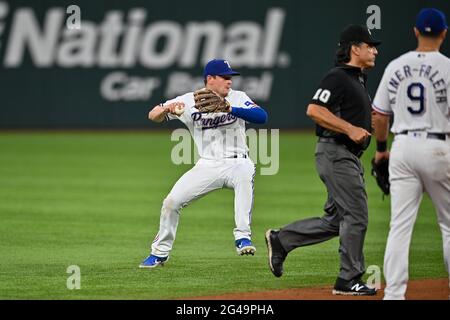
[[220, 139], [415, 88]]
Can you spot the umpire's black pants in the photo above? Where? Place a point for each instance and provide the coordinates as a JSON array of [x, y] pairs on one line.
[[346, 213]]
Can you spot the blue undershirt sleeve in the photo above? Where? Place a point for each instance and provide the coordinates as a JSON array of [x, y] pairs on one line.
[[253, 115]]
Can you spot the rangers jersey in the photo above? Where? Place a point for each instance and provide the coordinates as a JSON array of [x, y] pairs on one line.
[[416, 87], [216, 135]]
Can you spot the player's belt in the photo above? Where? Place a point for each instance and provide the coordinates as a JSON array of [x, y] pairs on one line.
[[430, 135], [239, 156]]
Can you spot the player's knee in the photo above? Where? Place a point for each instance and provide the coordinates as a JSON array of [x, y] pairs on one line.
[[244, 176], [243, 182], [333, 229], [172, 204]]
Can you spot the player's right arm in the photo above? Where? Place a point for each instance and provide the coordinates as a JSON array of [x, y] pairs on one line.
[[325, 118], [381, 115], [159, 112], [380, 123]]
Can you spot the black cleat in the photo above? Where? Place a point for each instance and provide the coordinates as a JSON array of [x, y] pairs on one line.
[[355, 287], [277, 254]]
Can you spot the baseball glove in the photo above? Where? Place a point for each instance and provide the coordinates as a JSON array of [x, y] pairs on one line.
[[207, 101], [380, 171]]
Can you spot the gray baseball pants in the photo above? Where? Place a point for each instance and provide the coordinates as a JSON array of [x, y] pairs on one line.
[[346, 213]]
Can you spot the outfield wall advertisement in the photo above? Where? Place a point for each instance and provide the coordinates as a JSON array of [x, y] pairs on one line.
[[103, 64]]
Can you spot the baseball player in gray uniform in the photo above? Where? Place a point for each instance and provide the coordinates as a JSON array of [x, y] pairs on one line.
[[220, 139], [415, 89]]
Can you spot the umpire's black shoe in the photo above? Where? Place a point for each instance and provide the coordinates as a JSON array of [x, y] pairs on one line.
[[277, 254], [355, 287]]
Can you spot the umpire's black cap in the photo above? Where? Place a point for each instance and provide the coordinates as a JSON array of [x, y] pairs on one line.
[[357, 33]]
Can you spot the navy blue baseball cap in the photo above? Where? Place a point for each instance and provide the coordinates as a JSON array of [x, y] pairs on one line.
[[218, 67], [431, 21]]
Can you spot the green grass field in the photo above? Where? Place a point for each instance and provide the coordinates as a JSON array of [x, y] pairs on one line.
[[93, 200]]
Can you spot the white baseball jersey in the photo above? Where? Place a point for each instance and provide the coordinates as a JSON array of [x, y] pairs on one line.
[[416, 87], [219, 137], [216, 135]]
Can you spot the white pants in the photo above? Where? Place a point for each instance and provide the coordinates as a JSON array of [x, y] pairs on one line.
[[417, 164], [204, 177]]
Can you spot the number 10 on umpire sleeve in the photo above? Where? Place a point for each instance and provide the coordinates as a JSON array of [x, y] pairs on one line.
[[322, 95]]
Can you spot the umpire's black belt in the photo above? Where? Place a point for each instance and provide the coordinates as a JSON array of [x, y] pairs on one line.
[[356, 151], [430, 135]]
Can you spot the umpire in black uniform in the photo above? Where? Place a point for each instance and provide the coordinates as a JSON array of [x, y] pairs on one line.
[[341, 109]]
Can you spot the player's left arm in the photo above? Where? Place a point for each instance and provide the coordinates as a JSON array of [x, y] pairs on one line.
[[249, 111], [254, 115]]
